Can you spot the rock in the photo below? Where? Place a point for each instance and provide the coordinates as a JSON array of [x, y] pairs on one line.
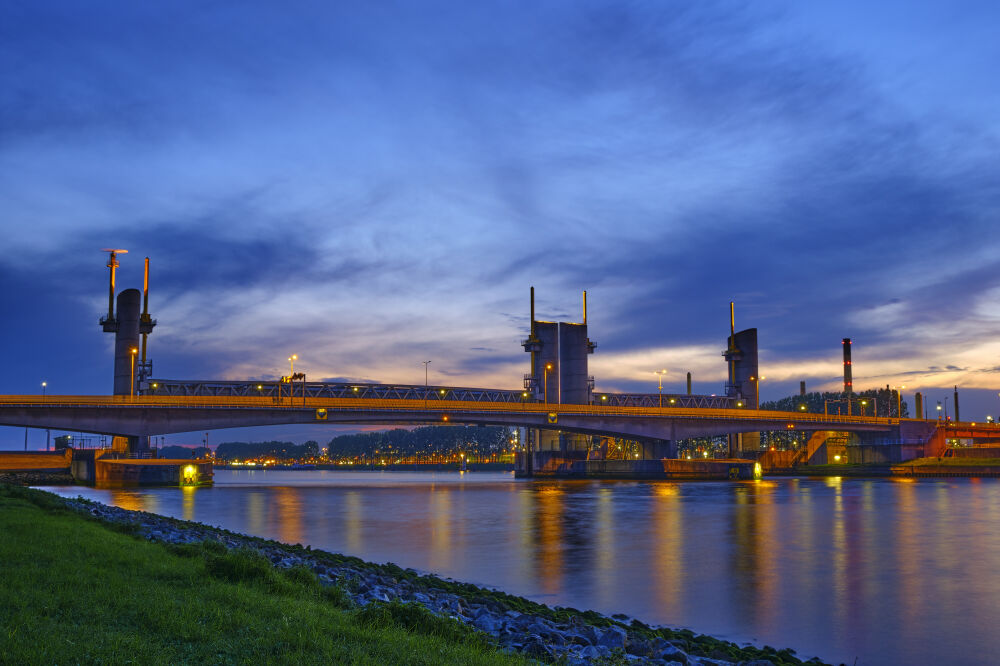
[[487, 622], [639, 647], [592, 652], [672, 654], [612, 637], [757, 662], [537, 647]]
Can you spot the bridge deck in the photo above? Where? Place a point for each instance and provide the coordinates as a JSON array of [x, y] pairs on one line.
[[438, 405]]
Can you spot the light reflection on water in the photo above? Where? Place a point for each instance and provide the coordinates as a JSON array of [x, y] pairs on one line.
[[889, 571]]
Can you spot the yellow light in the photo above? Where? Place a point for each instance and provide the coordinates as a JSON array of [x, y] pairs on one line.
[[548, 366], [739, 403], [803, 407], [837, 458], [604, 397], [445, 417], [442, 391], [155, 385], [672, 401]]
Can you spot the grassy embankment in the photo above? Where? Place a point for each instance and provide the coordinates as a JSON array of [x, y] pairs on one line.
[[76, 591]]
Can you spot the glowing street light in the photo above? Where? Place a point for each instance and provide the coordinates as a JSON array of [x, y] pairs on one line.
[[899, 401], [47, 431], [133, 351], [756, 390], [659, 386], [545, 381]]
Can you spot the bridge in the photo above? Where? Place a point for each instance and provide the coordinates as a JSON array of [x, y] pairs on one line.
[[558, 405], [146, 415]]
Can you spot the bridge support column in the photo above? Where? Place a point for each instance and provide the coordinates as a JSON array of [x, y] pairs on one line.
[[657, 449]]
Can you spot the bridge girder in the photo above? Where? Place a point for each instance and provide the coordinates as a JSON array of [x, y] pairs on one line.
[[158, 419]]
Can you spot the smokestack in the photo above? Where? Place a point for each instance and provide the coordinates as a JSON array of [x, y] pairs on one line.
[[532, 312], [956, 404], [848, 384], [689, 383], [918, 401], [732, 343], [802, 388]]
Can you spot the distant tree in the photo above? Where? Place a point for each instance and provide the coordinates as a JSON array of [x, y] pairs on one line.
[[176, 452], [250, 450], [880, 401]]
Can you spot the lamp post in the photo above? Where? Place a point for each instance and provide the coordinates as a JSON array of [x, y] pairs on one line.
[[545, 381], [291, 371], [659, 385], [131, 382], [939, 410], [756, 390], [426, 363], [899, 401], [47, 431]]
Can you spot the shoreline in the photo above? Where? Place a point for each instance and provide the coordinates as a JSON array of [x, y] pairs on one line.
[[516, 624]]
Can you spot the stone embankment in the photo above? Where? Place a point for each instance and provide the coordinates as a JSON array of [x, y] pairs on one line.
[[517, 625]]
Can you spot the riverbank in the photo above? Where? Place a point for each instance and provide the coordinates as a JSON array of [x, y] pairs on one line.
[[513, 625]]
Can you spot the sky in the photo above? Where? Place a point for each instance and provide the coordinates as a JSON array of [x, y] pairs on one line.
[[371, 185]]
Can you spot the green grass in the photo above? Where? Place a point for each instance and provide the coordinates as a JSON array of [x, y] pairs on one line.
[[76, 591]]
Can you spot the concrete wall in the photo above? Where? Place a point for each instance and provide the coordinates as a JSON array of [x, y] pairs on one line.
[[574, 348], [126, 339], [547, 333], [745, 367], [876, 454], [30, 461]]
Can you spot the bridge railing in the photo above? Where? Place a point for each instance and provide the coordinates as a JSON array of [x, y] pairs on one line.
[[442, 406], [272, 389]]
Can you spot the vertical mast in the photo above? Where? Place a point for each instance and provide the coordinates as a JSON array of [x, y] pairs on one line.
[[145, 307]]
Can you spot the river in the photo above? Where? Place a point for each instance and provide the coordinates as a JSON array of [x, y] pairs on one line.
[[885, 571]]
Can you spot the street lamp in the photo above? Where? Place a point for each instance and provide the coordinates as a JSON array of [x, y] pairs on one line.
[[133, 351], [47, 431], [756, 390], [659, 386], [899, 401], [545, 381], [426, 363], [939, 410]]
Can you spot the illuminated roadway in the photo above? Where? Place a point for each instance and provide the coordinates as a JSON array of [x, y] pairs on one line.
[[160, 415]]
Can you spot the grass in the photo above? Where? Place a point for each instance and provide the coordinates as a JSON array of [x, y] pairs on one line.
[[76, 591]]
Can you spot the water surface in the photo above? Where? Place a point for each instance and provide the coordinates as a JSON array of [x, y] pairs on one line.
[[885, 571]]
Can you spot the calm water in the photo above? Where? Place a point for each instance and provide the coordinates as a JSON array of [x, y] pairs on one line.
[[885, 571]]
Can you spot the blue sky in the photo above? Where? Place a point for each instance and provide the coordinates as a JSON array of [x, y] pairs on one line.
[[370, 185]]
